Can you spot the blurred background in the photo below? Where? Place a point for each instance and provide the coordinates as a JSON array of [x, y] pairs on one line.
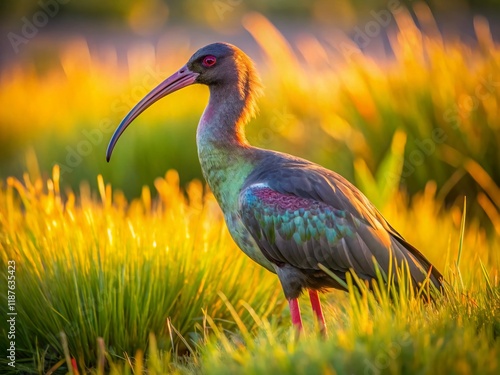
[[394, 95]]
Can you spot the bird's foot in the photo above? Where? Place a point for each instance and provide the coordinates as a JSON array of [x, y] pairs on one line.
[[316, 306], [295, 313]]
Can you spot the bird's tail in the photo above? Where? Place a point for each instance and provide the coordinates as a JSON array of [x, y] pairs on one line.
[[420, 267]]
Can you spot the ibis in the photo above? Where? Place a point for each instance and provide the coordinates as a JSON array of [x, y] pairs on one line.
[[301, 221]]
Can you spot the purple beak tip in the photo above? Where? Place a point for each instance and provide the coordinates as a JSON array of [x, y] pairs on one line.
[[109, 150]]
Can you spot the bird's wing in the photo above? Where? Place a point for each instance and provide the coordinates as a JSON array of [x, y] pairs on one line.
[[303, 215]]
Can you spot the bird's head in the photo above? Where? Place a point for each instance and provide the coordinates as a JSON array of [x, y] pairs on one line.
[[216, 65]]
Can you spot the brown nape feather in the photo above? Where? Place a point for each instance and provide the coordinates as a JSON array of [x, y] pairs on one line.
[[249, 86]]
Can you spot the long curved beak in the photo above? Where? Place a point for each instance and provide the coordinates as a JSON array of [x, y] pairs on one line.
[[182, 78]]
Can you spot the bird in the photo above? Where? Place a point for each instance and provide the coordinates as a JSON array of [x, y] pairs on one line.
[[297, 219]]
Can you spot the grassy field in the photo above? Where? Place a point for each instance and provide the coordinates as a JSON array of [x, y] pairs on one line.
[[325, 100], [146, 279], [159, 284]]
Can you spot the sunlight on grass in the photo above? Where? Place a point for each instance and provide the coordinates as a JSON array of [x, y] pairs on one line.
[[101, 267], [96, 266], [324, 100], [146, 279]]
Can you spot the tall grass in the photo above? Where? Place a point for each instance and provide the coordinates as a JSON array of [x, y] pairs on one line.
[[148, 280], [441, 93], [158, 284], [100, 267], [325, 100]]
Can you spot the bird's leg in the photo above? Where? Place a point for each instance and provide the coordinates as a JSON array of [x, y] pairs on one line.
[[295, 313], [316, 306]]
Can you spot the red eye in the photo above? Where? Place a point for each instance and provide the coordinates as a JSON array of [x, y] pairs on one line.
[[209, 61]]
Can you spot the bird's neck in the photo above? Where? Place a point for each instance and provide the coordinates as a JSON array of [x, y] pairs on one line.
[[222, 123], [224, 153]]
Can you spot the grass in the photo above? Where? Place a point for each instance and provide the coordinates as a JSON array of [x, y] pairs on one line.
[[158, 284], [325, 100], [93, 269], [148, 280]]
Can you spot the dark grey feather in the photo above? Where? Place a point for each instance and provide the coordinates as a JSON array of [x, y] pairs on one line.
[[340, 228]]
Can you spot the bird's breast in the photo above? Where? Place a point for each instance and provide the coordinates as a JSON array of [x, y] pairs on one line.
[[245, 241], [226, 172]]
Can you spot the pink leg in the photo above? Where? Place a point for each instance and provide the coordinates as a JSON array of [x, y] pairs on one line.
[[295, 312], [316, 306]]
